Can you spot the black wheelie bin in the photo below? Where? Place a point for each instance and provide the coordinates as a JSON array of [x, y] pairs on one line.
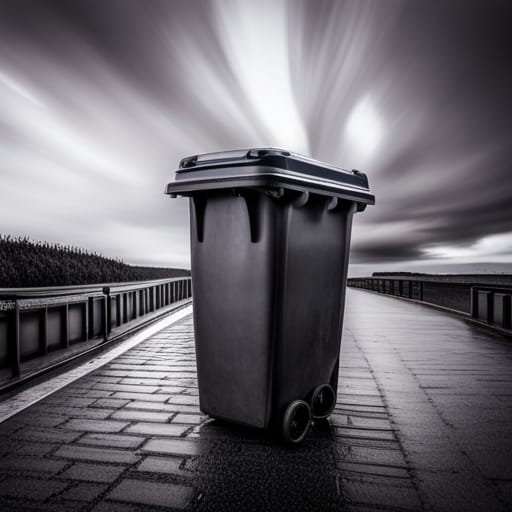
[[270, 238]]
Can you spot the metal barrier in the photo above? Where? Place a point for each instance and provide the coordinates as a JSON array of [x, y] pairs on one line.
[[489, 304], [492, 305], [411, 289], [37, 321]]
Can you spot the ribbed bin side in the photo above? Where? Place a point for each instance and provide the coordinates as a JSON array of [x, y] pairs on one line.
[[232, 297], [313, 291]]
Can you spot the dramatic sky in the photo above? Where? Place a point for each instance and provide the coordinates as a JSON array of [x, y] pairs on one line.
[[100, 99]]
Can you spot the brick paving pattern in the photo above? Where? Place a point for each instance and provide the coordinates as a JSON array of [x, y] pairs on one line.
[[422, 423]]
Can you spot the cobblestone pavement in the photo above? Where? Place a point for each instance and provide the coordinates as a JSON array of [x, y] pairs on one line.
[[422, 423]]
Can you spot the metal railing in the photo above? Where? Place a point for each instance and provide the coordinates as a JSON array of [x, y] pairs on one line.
[[487, 304], [37, 321], [492, 305]]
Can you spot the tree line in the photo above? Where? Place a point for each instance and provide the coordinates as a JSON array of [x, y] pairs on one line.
[[27, 263]]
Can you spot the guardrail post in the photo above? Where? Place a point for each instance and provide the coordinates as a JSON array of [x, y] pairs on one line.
[[119, 309], [135, 298], [15, 345], [501, 310], [124, 300], [106, 313], [485, 306], [474, 302], [507, 314], [43, 331], [65, 326], [85, 322], [142, 302], [90, 308], [422, 290]]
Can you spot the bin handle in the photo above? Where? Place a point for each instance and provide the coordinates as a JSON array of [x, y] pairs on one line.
[[301, 200], [333, 203]]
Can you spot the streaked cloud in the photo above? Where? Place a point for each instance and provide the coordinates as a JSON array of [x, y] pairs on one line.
[[100, 100]]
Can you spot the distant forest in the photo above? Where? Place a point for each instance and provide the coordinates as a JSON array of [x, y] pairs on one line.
[[25, 263]]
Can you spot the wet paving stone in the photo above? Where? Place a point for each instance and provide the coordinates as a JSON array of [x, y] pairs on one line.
[[30, 464], [31, 489], [164, 465], [94, 425], [96, 454], [172, 447], [153, 493], [112, 440], [92, 472], [83, 492], [157, 429], [190, 419], [134, 415]]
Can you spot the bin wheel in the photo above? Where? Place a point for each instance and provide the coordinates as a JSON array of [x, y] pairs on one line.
[[323, 400], [296, 421]]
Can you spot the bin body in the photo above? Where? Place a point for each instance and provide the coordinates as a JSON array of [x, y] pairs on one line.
[[269, 270]]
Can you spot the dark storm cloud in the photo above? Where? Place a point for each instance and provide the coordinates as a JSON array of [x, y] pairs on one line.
[[387, 251], [100, 99]]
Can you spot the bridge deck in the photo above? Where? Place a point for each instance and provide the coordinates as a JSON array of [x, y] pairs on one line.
[[423, 422]]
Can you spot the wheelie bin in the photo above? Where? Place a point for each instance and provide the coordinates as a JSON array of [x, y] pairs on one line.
[[270, 236]]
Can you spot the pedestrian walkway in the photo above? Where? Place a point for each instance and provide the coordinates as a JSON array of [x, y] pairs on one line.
[[422, 423]]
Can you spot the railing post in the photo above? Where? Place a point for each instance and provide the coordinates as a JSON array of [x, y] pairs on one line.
[[422, 291], [474, 301], [501, 310], [507, 312], [106, 312], [142, 302], [124, 301], [43, 331], [15, 345], [85, 325], [119, 317], [91, 316], [65, 326]]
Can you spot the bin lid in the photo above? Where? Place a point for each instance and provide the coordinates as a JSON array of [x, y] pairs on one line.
[[268, 168]]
